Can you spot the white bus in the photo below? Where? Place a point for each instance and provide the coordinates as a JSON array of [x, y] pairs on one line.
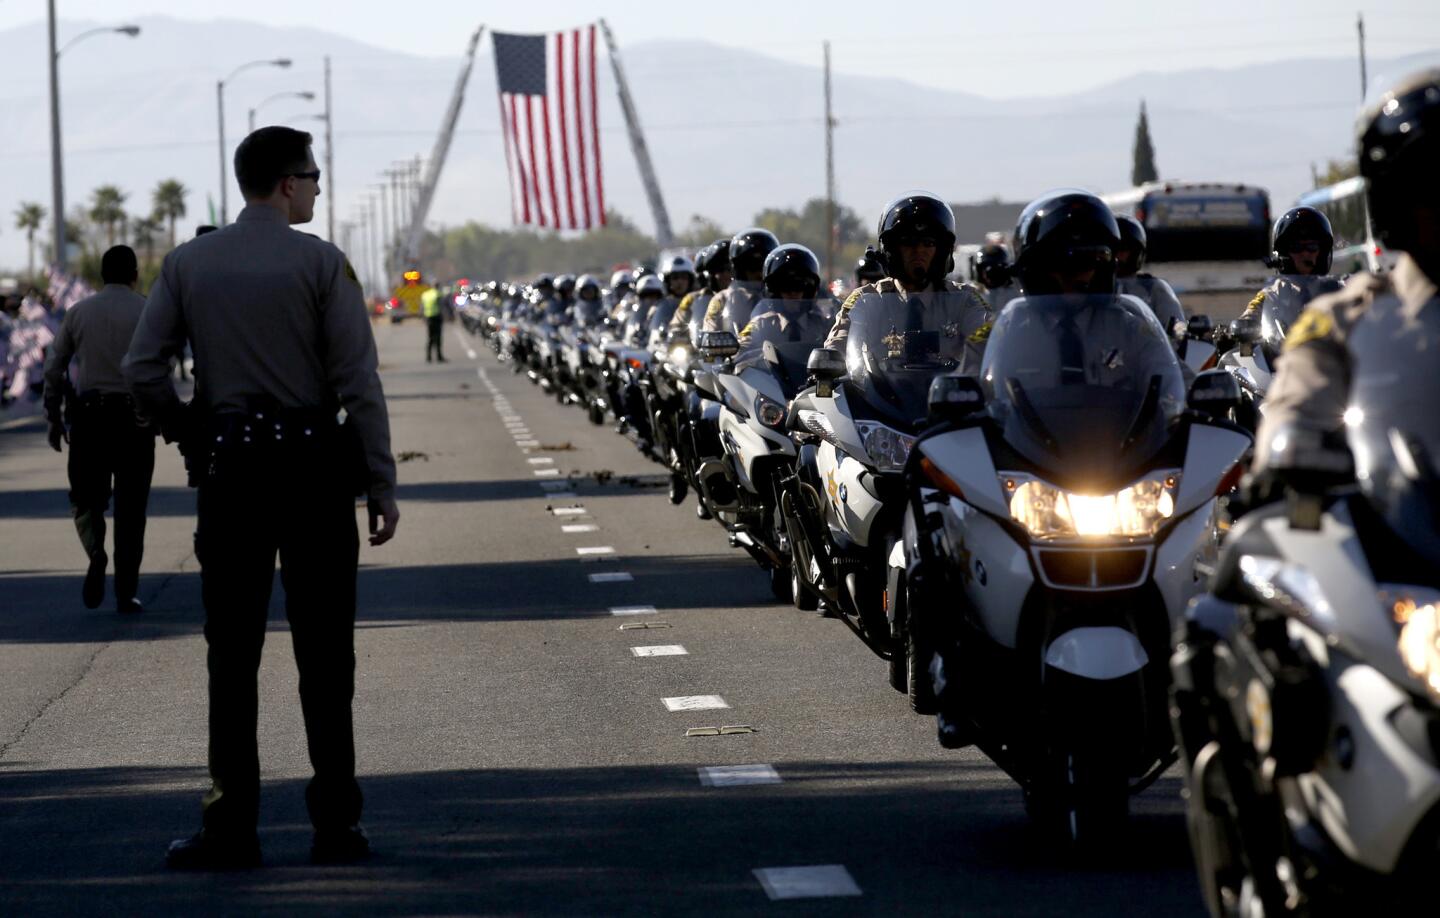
[[1204, 237], [1355, 247]]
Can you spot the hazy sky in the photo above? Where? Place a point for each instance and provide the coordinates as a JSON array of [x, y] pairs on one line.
[[993, 48]]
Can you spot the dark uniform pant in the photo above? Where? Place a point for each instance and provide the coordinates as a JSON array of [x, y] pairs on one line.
[[294, 504], [435, 328], [111, 454]]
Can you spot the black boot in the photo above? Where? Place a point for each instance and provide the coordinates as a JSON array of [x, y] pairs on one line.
[[90, 525], [206, 851], [346, 845]]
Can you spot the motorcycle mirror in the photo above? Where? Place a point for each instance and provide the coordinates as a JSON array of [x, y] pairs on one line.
[[1245, 330], [1199, 327], [1214, 392], [716, 345], [954, 397], [825, 363]]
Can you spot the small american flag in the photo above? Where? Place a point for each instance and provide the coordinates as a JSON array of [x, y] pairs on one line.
[[550, 119]]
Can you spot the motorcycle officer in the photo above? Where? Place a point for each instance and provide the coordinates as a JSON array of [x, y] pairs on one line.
[[588, 306], [565, 290], [730, 309], [791, 311], [868, 268], [1129, 278], [622, 283], [712, 267], [1303, 246], [1398, 146], [917, 244], [992, 269]]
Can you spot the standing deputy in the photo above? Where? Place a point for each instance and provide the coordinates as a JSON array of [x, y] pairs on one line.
[[112, 449], [434, 323], [282, 343]]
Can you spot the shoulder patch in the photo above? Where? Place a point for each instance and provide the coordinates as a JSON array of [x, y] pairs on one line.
[[1258, 301], [981, 334], [852, 298], [748, 330], [1312, 325], [350, 273], [716, 307]]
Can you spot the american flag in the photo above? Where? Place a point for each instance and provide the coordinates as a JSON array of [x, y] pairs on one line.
[[550, 119]]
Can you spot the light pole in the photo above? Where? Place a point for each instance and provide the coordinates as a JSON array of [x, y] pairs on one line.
[[57, 167], [220, 108], [383, 250], [306, 95]]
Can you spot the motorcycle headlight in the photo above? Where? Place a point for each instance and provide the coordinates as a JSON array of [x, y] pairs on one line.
[[771, 413], [1048, 512], [679, 355], [888, 448], [1417, 613]]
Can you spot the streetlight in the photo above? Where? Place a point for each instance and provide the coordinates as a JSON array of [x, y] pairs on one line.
[[220, 107], [57, 168], [307, 96]]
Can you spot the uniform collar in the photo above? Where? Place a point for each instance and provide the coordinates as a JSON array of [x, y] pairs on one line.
[[1411, 284], [261, 213]]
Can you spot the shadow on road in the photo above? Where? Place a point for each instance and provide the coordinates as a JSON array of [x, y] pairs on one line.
[[933, 838], [45, 607]]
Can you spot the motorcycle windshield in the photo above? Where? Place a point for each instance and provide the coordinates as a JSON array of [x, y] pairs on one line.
[[740, 305], [588, 312], [1086, 388], [1393, 420], [1286, 300], [804, 321], [660, 317], [899, 343]]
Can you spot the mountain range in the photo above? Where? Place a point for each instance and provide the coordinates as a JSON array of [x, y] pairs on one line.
[[731, 130]]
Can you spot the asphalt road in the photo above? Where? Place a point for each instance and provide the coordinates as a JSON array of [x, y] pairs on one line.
[[516, 751]]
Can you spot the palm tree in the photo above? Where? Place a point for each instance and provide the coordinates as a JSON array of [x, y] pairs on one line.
[[28, 217], [107, 208], [169, 202], [145, 231]]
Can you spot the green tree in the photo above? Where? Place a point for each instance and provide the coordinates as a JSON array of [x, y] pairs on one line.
[[1337, 170], [145, 232], [169, 203], [28, 217], [809, 227], [107, 210], [1142, 168], [700, 232]]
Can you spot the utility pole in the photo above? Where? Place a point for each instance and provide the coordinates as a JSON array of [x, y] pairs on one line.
[[664, 236], [1364, 79], [57, 172], [329, 158], [384, 228], [829, 175]]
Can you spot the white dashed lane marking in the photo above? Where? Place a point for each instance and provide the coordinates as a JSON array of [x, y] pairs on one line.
[[546, 473], [738, 775], [660, 650], [612, 577], [579, 527], [695, 703], [632, 610], [527, 444], [569, 511], [593, 550], [541, 461], [819, 882]]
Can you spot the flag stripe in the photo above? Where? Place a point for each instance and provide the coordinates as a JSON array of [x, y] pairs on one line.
[[534, 160], [509, 162], [520, 161], [564, 133], [550, 162], [595, 131], [580, 130]]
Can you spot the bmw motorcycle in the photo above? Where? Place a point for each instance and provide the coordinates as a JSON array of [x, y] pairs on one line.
[[1307, 686], [1058, 518]]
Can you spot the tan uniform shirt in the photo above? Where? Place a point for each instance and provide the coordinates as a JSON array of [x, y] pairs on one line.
[[681, 318], [95, 332], [976, 325], [1312, 382], [269, 312]]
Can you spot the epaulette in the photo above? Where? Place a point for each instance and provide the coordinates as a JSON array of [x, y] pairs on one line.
[[981, 334]]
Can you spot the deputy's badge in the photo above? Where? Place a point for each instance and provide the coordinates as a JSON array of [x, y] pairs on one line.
[[350, 273], [952, 330], [1312, 324], [981, 334], [894, 343]]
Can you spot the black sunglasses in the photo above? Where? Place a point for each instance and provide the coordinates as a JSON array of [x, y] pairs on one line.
[[310, 175]]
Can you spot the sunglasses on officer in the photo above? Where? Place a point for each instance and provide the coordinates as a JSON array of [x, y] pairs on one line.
[[315, 175], [1305, 248]]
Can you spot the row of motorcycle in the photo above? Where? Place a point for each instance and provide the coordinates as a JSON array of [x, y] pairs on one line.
[[1050, 555]]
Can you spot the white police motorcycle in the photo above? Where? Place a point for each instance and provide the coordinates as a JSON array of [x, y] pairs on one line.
[[1058, 519]]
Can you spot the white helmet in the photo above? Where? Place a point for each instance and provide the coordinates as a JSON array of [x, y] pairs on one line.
[[650, 284], [621, 278], [676, 264]]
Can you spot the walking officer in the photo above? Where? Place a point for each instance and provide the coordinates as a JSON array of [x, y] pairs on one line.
[[282, 342], [112, 448]]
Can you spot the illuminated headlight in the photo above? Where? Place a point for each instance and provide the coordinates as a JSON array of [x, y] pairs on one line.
[[1048, 512], [888, 448], [771, 413], [679, 355], [1419, 620]]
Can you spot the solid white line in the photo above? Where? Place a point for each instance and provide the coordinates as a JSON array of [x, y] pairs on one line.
[[543, 461], [592, 550], [579, 527], [818, 882], [738, 775], [569, 511], [612, 577], [632, 610], [695, 703], [660, 650]]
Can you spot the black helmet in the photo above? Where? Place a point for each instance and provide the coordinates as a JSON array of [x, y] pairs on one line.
[[1132, 240], [1064, 232], [1301, 224], [1397, 137], [748, 250], [991, 265], [916, 214], [869, 268], [565, 284], [719, 257], [587, 282], [545, 284], [789, 268], [702, 265]]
